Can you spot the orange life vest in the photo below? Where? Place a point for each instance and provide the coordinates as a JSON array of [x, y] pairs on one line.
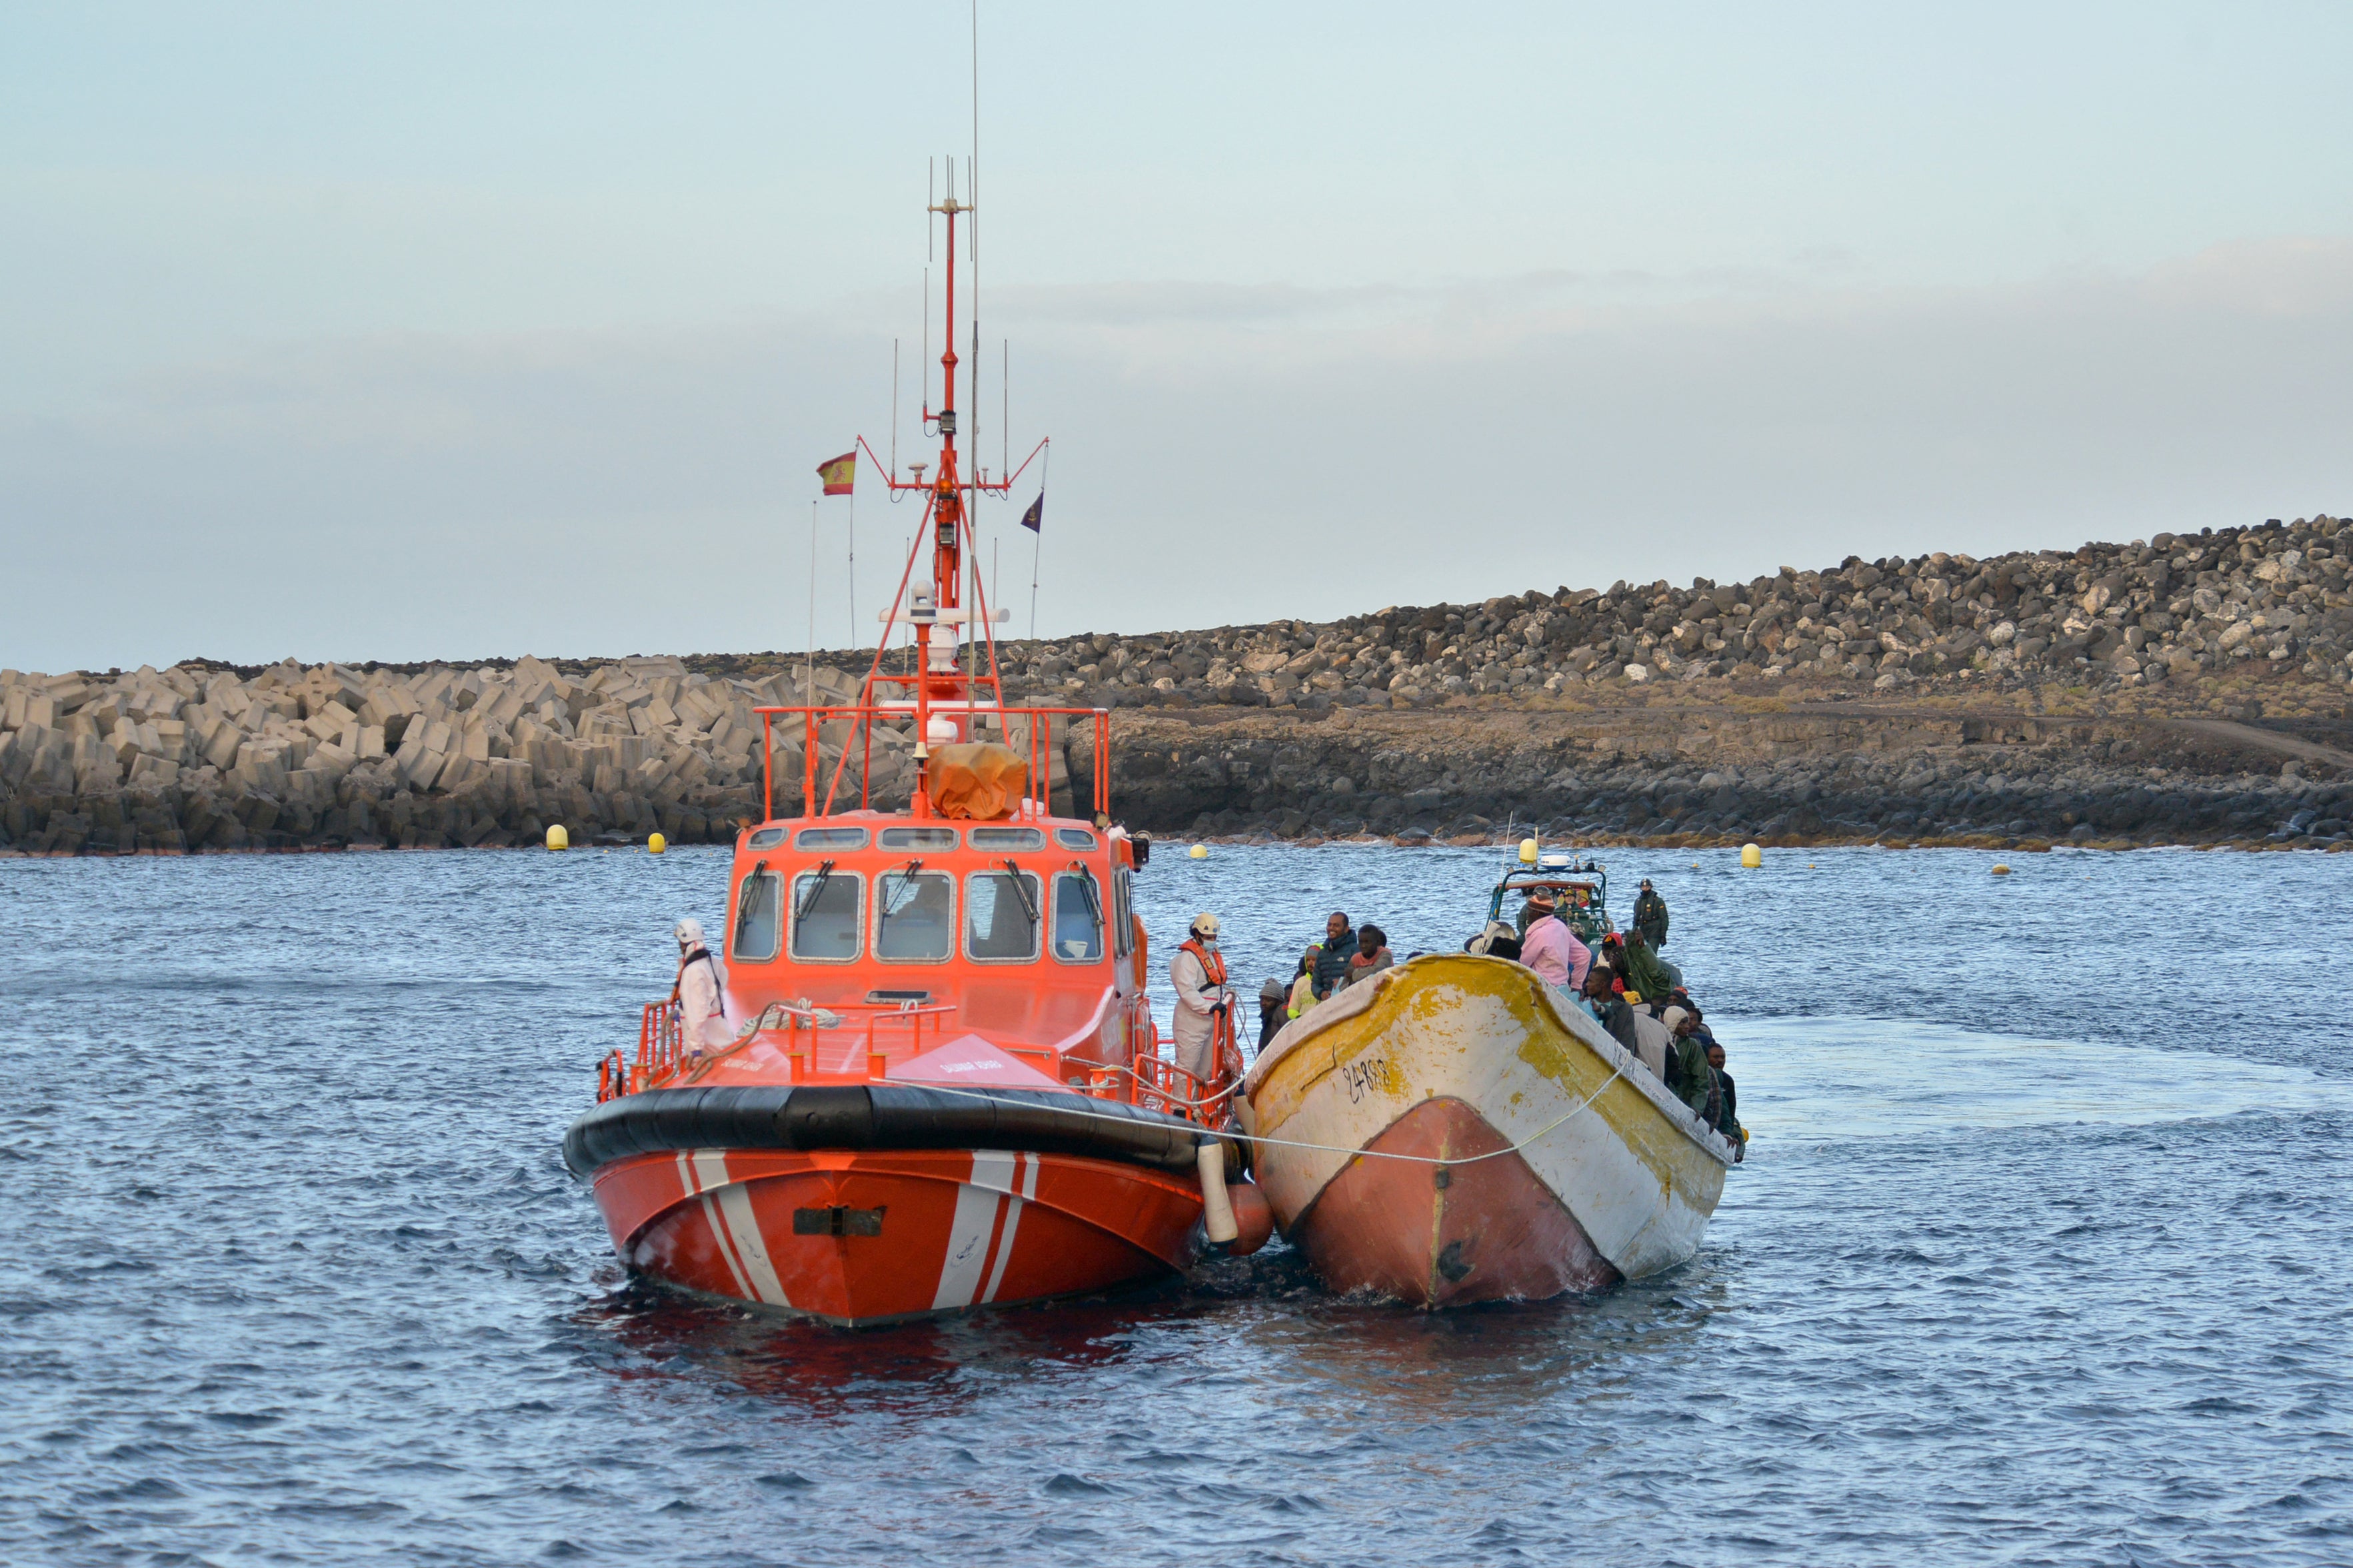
[[1213, 965]]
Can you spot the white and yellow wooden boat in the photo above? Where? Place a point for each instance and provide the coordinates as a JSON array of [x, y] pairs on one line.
[[1454, 1132]]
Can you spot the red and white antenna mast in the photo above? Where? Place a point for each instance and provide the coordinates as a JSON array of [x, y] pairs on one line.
[[945, 696]]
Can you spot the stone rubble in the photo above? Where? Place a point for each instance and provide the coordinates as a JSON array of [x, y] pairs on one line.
[[203, 757], [2119, 616]]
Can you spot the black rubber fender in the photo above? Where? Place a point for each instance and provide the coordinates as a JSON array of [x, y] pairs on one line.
[[808, 1116]]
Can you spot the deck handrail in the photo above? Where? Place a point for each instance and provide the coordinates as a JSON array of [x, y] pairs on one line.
[[1146, 1080]]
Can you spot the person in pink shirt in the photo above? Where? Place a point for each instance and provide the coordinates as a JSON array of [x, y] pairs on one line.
[[1552, 949]]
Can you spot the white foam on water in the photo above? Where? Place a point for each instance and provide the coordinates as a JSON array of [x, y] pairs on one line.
[[1803, 1078]]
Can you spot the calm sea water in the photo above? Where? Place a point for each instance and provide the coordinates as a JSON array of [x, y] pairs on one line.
[[2041, 1255]]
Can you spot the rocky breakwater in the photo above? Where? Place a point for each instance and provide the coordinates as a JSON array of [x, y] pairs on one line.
[[207, 757], [2177, 689], [2234, 601]]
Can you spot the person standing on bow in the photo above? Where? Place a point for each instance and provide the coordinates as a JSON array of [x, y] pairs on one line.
[[1651, 915], [1199, 973], [699, 994]]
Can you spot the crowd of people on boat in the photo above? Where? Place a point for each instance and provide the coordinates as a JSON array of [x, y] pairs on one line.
[[1628, 986], [1622, 982]]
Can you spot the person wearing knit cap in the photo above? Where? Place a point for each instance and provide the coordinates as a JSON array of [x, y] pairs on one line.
[[1274, 999], [1552, 949]]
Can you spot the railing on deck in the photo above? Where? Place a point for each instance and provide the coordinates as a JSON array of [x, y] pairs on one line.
[[1147, 1081], [1039, 793]]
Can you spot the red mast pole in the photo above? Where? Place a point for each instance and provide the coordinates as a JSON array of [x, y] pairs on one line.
[[948, 517]]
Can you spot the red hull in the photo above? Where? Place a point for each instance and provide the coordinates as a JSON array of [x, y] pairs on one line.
[[1446, 1235], [867, 1238]]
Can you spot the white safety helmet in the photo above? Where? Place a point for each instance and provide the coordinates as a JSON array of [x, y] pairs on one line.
[[689, 933], [1206, 924]]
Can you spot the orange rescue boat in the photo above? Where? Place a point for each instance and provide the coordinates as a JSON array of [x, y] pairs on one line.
[[945, 1088]]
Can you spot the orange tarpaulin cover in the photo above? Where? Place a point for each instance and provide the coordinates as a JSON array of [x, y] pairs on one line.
[[981, 781]]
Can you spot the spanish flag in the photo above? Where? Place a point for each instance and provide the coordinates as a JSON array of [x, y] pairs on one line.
[[840, 474]]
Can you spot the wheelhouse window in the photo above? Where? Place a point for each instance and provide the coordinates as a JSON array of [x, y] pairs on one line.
[[1122, 923], [826, 905], [829, 838], [1004, 838], [758, 928], [914, 916], [1074, 838], [767, 838], [919, 839], [1003, 917], [1077, 916]]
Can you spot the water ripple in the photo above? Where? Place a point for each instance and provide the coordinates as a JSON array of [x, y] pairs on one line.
[[2039, 1256]]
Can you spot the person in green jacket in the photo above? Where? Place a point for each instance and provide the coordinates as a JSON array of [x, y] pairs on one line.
[[1689, 1076], [1643, 971], [1651, 915]]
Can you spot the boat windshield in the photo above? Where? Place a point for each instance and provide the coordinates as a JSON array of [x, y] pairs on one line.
[[1000, 917], [1078, 918], [758, 925], [914, 916], [826, 907]]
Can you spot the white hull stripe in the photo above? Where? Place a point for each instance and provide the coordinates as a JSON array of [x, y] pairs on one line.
[[734, 1225], [692, 1187], [743, 1226], [978, 1202], [1012, 1225]]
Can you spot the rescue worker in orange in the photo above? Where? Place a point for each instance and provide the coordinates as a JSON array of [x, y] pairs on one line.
[[1204, 1000]]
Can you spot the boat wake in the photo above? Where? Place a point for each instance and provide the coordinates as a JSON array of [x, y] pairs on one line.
[[1807, 1079]]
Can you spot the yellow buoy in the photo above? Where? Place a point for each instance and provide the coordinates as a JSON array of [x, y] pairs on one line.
[[1199, 852], [2001, 870], [656, 844], [557, 838], [1751, 856], [1528, 851]]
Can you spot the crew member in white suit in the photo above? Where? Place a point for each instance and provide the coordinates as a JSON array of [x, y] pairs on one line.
[[1198, 972], [701, 1005]]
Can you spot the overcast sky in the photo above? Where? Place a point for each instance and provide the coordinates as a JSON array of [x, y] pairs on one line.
[[410, 332]]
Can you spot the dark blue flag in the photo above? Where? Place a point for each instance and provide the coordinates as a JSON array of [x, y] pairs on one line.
[[1035, 518]]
